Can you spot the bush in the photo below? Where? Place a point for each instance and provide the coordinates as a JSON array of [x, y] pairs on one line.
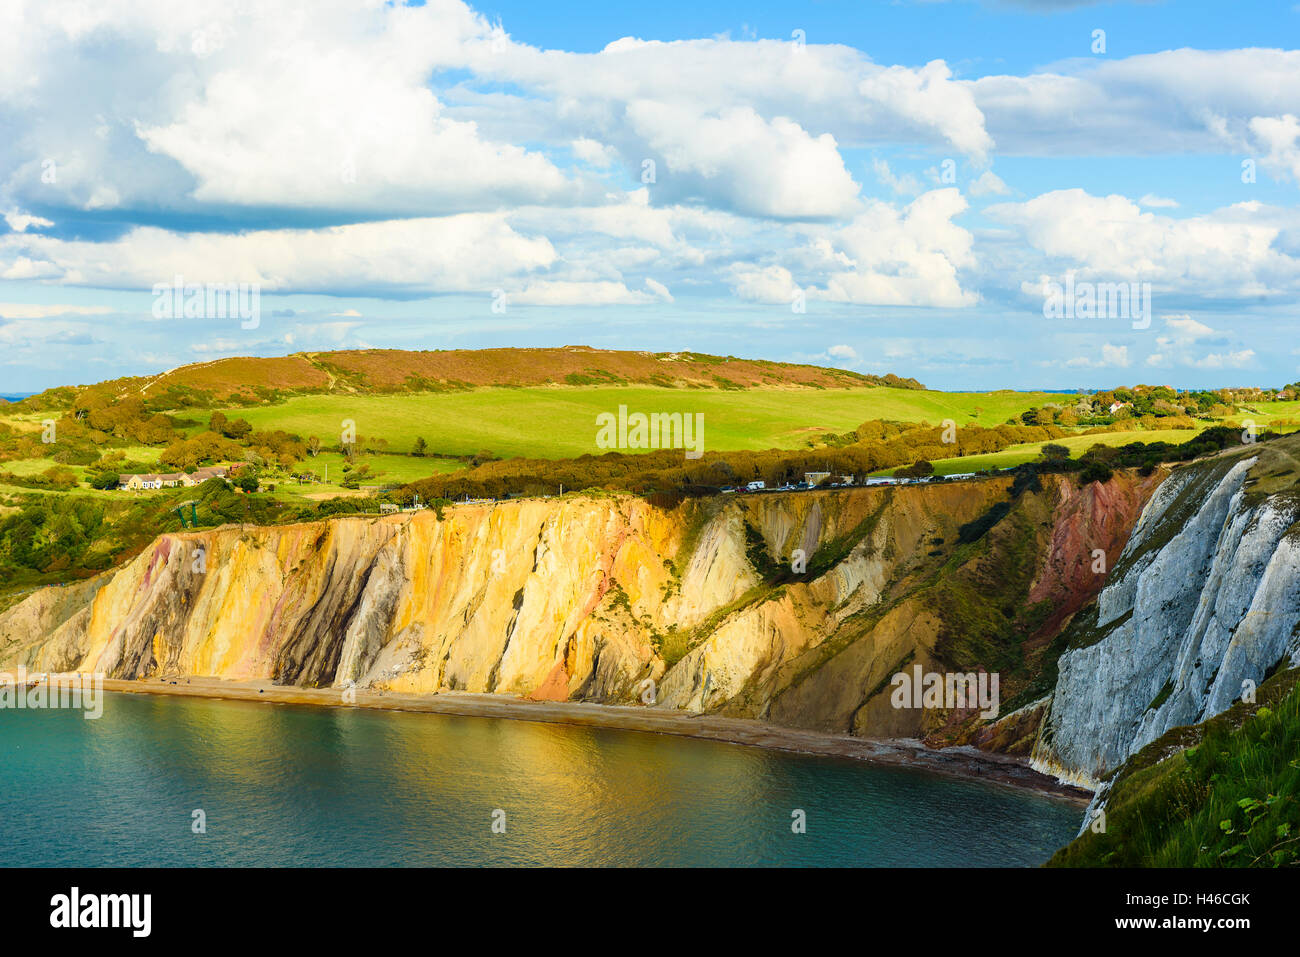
[[246, 479], [920, 469], [1095, 470]]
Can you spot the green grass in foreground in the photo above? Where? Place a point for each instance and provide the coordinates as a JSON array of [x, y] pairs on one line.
[[1231, 799], [559, 422]]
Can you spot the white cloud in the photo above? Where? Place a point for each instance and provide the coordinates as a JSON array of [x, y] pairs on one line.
[[592, 152], [659, 289], [1228, 253], [989, 183], [1187, 326], [25, 310], [514, 163], [469, 252], [909, 256], [1114, 355], [929, 98], [558, 292], [907, 183], [20, 222], [757, 166], [1279, 138], [1174, 101], [1226, 360], [338, 93], [906, 257], [769, 284]]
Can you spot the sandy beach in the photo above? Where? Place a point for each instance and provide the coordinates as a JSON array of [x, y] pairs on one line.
[[962, 762]]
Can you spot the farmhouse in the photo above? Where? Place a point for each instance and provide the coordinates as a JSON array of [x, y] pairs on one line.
[[199, 476], [137, 482], [151, 480]]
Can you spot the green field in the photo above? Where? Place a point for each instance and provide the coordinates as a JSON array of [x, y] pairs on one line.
[[1077, 444], [385, 470], [553, 423], [1269, 413]]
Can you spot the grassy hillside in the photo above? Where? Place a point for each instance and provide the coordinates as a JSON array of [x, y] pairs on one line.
[[560, 422], [370, 371], [1225, 793], [1077, 444]]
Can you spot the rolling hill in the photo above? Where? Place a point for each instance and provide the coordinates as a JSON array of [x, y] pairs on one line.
[[378, 371]]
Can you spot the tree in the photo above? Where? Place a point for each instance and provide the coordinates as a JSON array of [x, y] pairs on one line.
[[920, 469], [1055, 452], [420, 446], [237, 429], [105, 480], [313, 445], [246, 479]]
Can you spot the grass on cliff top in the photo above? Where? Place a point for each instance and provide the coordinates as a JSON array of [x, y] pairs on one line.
[[1224, 793], [560, 422], [1014, 455]]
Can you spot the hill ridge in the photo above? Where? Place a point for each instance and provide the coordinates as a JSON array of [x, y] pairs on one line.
[[377, 371]]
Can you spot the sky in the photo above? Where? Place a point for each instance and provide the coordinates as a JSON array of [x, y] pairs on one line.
[[929, 188]]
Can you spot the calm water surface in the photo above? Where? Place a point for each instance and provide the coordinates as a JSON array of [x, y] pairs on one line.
[[291, 785]]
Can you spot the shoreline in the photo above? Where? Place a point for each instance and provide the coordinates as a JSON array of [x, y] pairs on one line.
[[963, 762]]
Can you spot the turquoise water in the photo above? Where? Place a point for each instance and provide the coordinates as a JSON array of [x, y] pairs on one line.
[[288, 785]]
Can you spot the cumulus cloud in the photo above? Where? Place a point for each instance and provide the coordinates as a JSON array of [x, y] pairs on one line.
[[398, 150], [887, 255], [1174, 101], [468, 252], [1279, 138], [1182, 343], [988, 184], [769, 284], [21, 222], [592, 152], [758, 166], [907, 183], [1232, 252], [1112, 356], [344, 115], [1189, 327], [909, 256], [1226, 360]]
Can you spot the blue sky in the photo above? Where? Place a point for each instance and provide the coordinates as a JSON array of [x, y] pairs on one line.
[[888, 187]]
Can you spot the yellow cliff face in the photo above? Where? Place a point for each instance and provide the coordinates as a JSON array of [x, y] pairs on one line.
[[791, 607]]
